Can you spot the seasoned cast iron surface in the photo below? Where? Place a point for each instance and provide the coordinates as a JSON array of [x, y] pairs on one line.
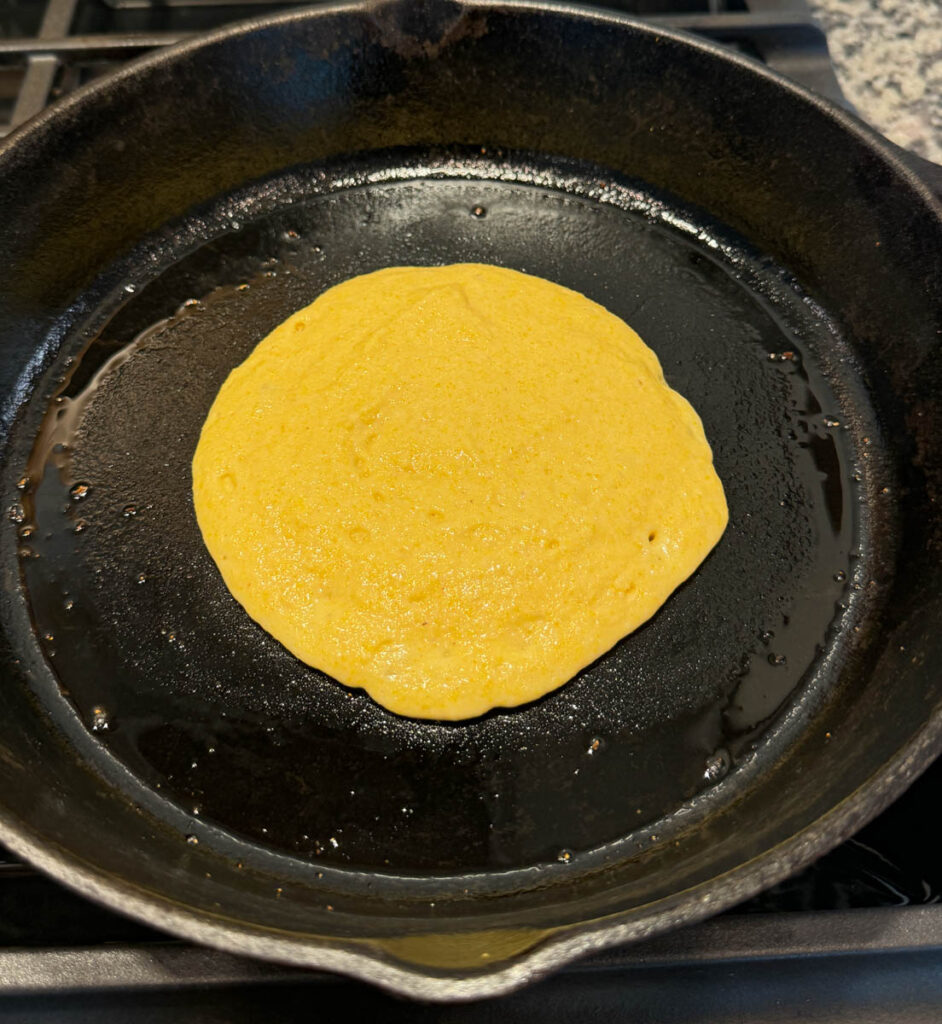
[[172, 676]]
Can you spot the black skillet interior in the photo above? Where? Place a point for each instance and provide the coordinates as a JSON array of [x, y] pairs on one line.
[[258, 789], [187, 691]]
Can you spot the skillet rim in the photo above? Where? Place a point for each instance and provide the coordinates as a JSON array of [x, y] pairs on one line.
[[369, 961]]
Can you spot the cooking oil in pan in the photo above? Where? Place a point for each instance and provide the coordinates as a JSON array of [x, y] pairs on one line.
[[206, 706]]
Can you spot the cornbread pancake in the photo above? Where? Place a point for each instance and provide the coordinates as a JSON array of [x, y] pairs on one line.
[[453, 486]]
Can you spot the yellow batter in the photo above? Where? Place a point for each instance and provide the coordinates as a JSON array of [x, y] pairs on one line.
[[453, 486]]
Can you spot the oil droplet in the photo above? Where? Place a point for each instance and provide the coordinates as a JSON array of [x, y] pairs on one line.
[[782, 357], [830, 421], [69, 604], [777, 659], [192, 840], [81, 525], [25, 532], [129, 511], [291, 235], [23, 483], [478, 211], [278, 892], [100, 719], [25, 551], [840, 576], [141, 578], [79, 491], [334, 843], [564, 856], [594, 747], [130, 288], [242, 287], [765, 636], [190, 303], [15, 513], [48, 637], [717, 766]]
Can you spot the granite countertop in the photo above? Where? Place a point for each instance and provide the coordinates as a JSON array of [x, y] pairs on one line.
[[888, 59]]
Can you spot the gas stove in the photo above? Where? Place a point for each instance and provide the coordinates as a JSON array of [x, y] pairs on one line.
[[855, 937]]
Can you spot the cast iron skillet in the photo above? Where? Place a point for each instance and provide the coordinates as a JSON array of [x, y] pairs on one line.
[[162, 754]]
